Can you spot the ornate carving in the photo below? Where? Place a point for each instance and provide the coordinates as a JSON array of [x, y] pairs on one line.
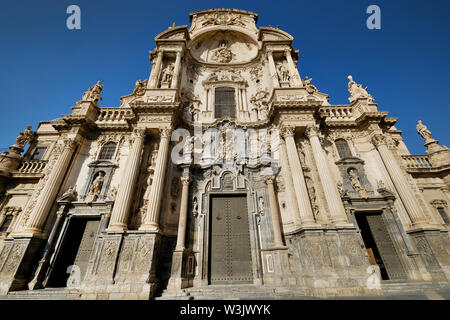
[[222, 54], [437, 203], [24, 137], [138, 133], [93, 93], [312, 131], [288, 131], [222, 18], [107, 259], [308, 86], [168, 73], [261, 103], [283, 72], [165, 132], [95, 188], [357, 91], [356, 183], [424, 132], [139, 88]]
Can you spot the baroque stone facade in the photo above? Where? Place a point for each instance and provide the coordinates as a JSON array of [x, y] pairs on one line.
[[224, 167]]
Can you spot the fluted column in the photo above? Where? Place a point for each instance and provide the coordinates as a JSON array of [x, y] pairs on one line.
[[290, 191], [151, 220], [277, 239], [293, 69], [50, 191], [337, 210], [301, 191], [401, 184], [154, 76], [176, 71], [119, 215], [272, 69], [185, 179]]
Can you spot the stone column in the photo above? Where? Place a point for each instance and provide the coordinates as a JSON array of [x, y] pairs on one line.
[[185, 179], [119, 215], [293, 69], [401, 184], [290, 191], [154, 76], [50, 191], [273, 69], [151, 220], [277, 239], [301, 190], [337, 210], [176, 71], [42, 268]]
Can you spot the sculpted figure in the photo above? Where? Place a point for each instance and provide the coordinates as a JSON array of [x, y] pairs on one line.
[[424, 132], [356, 183], [222, 54], [283, 72], [195, 207], [24, 137], [93, 93], [96, 187], [139, 88], [357, 91], [168, 73], [112, 193], [259, 100]]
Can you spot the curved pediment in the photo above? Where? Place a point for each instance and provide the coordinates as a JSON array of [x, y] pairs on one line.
[[273, 34], [174, 33]]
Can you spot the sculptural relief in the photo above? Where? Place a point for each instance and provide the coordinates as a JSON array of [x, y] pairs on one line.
[[93, 93], [140, 87], [356, 183], [95, 188], [357, 91], [24, 137], [222, 54]]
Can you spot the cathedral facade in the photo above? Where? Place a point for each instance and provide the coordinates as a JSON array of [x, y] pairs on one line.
[[224, 168]]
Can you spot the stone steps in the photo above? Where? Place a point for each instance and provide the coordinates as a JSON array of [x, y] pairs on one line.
[[42, 294]]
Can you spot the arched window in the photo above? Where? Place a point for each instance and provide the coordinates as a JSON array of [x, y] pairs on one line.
[[107, 151], [225, 105], [343, 148]]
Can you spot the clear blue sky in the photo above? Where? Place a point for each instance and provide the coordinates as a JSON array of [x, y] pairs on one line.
[[45, 67]]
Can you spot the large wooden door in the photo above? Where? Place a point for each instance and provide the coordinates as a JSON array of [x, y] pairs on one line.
[[230, 252], [86, 246]]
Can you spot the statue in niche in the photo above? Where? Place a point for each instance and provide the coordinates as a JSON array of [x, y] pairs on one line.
[[222, 54], [167, 74], [139, 88], [95, 188], [93, 93], [424, 132], [154, 157], [283, 72], [24, 137], [195, 207], [356, 183], [357, 91], [261, 205]]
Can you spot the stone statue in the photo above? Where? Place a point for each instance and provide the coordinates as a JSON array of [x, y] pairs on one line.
[[24, 137], [195, 207], [96, 187], [356, 183], [261, 205], [167, 74], [260, 101], [222, 54], [140, 87], [283, 73], [93, 93], [310, 88], [154, 157], [357, 91], [380, 185], [424, 132]]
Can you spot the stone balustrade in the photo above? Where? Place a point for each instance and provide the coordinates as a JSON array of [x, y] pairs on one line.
[[337, 112], [114, 117], [416, 161], [32, 166]]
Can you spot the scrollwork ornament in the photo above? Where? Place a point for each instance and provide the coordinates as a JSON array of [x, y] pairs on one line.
[[312, 131]]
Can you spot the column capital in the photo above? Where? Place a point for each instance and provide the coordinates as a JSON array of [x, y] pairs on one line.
[[311, 131], [70, 144], [269, 179], [378, 140], [138, 133], [288, 131], [185, 180], [165, 132]]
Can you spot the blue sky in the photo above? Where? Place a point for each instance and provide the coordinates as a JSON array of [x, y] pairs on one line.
[[45, 67]]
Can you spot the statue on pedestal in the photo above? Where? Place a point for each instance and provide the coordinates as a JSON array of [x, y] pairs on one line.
[[24, 137], [357, 91], [93, 93], [424, 132]]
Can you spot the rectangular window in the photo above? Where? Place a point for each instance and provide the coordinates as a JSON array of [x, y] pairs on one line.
[[38, 153], [443, 215], [225, 106], [6, 223]]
